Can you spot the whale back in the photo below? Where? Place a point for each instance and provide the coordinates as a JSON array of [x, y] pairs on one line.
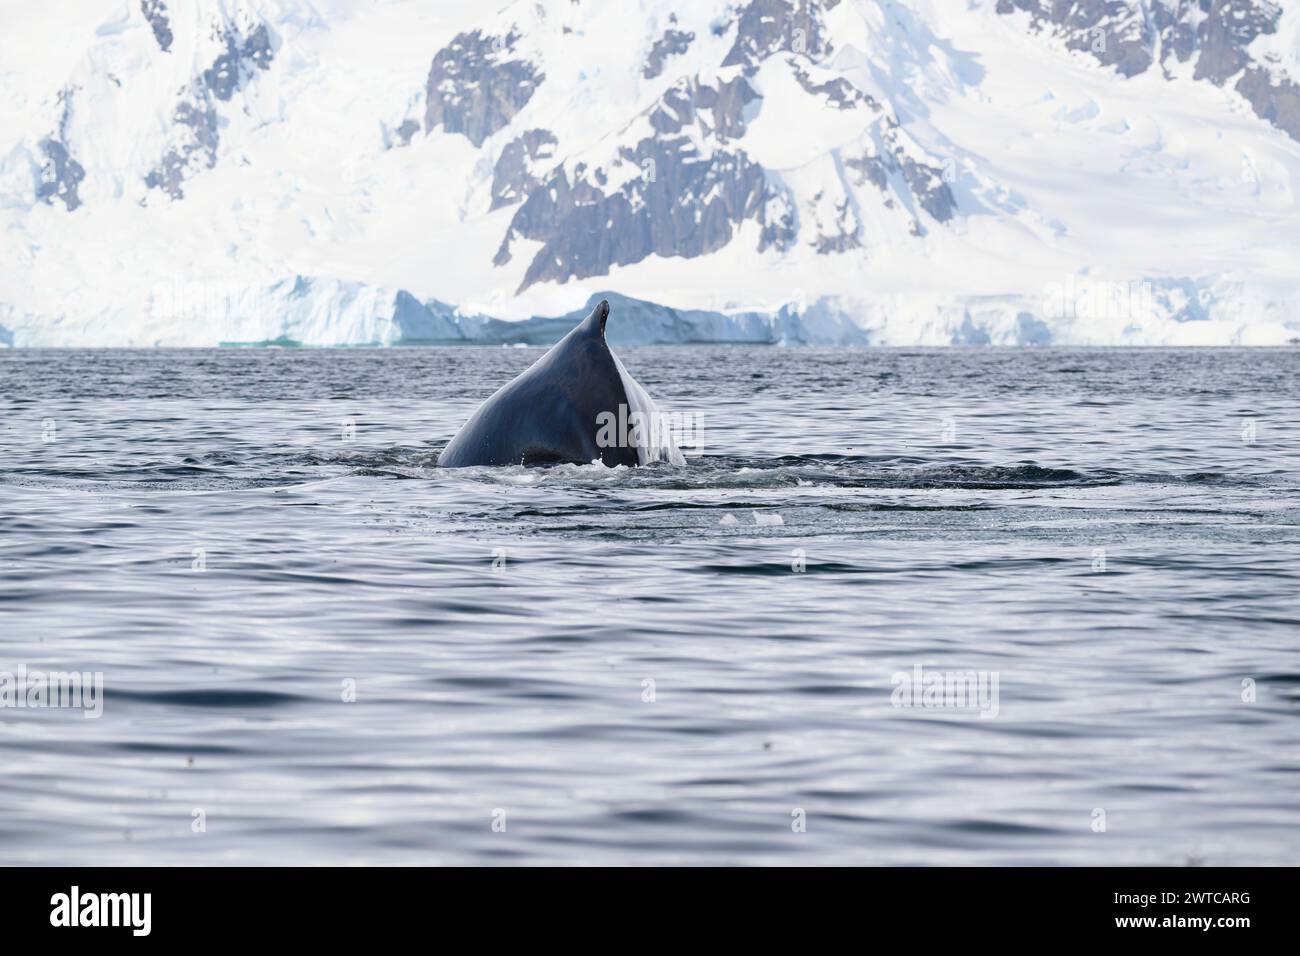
[[548, 413]]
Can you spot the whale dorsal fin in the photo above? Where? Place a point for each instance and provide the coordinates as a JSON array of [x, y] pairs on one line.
[[594, 324]]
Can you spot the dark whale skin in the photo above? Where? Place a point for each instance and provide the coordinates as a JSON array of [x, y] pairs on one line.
[[547, 415]]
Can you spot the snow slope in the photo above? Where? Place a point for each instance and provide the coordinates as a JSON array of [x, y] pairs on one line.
[[840, 171]]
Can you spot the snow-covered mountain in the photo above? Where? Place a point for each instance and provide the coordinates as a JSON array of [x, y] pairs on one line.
[[823, 171]]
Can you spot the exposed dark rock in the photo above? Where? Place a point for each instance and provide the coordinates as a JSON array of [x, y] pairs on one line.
[[1230, 27], [873, 168], [837, 91], [1175, 26], [843, 233], [231, 69], [155, 11], [684, 104], [927, 185], [1113, 31], [1276, 100], [689, 208], [475, 88], [515, 173], [1217, 34], [891, 163], [780, 224], [222, 77], [404, 133], [196, 121], [1224, 38], [60, 176], [764, 27], [257, 48], [677, 202], [672, 43]]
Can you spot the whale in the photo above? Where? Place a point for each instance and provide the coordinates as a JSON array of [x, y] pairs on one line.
[[576, 404]]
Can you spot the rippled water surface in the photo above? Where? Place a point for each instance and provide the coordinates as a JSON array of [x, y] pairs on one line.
[[586, 665]]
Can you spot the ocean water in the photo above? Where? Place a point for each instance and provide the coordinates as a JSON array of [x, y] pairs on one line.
[[315, 647]]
